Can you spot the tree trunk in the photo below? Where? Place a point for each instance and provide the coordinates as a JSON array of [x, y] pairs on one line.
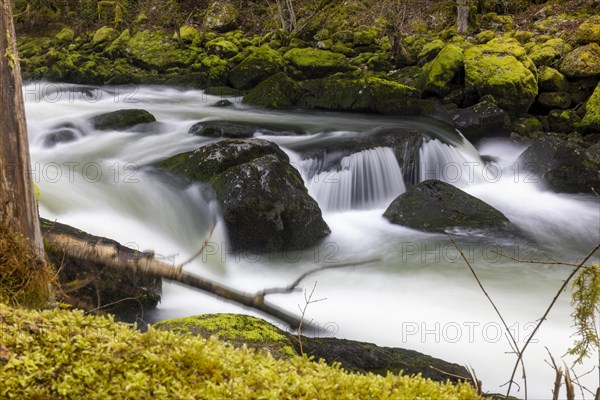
[[462, 18], [19, 210]]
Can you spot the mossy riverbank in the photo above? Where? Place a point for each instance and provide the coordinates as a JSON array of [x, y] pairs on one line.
[[535, 61]]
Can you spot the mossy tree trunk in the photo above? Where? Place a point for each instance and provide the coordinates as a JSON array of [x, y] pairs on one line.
[[19, 210]]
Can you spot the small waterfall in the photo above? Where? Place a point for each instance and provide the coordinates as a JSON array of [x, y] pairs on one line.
[[364, 180], [438, 160]]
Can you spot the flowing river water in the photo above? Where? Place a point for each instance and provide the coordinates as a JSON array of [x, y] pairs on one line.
[[420, 295]]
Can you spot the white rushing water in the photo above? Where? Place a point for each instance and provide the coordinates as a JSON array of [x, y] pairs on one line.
[[420, 296]]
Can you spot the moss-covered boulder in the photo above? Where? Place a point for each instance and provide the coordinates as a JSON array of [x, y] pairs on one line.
[[583, 62], [222, 48], [430, 51], [276, 92], [350, 92], [121, 120], [157, 50], [117, 47], [255, 333], [65, 36], [104, 36], [549, 53], [237, 329], [591, 119], [561, 165], [589, 31], [187, 34], [314, 63], [483, 120], [438, 74], [550, 100], [263, 200], [502, 69], [221, 16], [255, 68], [435, 206], [550, 80]]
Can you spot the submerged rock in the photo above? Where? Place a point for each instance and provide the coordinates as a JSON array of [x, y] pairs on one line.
[[234, 130], [263, 200], [354, 356], [121, 120], [561, 165], [435, 206], [61, 134]]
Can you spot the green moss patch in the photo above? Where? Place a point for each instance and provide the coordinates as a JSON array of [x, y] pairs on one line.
[[583, 62], [591, 120], [438, 74], [314, 63], [66, 354], [502, 69]]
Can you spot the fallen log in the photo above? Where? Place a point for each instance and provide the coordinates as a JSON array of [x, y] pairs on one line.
[[60, 241]]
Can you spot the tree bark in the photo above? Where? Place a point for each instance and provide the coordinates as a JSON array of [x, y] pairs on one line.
[[462, 18], [19, 209]]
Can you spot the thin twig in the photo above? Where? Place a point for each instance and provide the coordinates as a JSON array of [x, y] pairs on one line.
[[541, 321], [514, 344], [558, 376], [294, 284], [307, 301], [202, 247], [450, 374]]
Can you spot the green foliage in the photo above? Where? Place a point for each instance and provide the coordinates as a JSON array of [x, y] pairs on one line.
[[586, 304]]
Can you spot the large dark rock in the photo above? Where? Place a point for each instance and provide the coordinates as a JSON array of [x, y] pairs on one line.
[[435, 206], [94, 285], [354, 356], [121, 120], [263, 200], [561, 165], [484, 119], [276, 92], [234, 130]]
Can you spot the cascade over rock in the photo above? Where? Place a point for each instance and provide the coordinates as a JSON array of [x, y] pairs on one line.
[[263, 200]]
